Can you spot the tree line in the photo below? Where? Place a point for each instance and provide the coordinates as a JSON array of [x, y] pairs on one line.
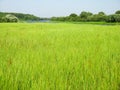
[[83, 17], [90, 17], [15, 17]]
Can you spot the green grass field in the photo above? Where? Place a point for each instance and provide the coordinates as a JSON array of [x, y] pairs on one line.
[[59, 56]]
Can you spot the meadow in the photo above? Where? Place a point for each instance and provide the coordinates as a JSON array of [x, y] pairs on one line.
[[59, 56]]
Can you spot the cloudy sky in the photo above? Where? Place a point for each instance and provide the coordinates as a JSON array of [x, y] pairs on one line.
[[49, 8]]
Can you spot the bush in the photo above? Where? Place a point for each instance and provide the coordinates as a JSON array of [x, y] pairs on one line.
[[113, 18], [117, 18], [0, 19], [73, 15], [117, 12], [96, 17], [87, 16], [9, 18]]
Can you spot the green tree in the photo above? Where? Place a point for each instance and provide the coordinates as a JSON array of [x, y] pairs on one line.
[[101, 13], [73, 15], [113, 18], [85, 15], [10, 18], [0, 19], [117, 12]]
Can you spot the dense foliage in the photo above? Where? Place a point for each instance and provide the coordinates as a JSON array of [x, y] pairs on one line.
[[113, 18], [88, 16], [83, 17], [117, 12], [20, 16], [9, 18]]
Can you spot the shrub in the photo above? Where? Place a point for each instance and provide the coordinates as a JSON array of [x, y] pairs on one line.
[[113, 18], [117, 12], [9, 18]]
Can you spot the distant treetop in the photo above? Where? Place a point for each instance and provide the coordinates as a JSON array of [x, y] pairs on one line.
[[117, 12]]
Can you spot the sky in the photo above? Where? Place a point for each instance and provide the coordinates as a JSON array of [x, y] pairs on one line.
[[50, 8]]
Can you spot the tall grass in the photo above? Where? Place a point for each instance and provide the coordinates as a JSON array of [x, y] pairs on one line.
[[59, 57]]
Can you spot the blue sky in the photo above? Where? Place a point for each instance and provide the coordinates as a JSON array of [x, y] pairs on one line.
[[49, 8]]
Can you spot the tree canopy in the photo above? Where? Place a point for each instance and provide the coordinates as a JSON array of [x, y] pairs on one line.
[[88, 16], [20, 16], [117, 12]]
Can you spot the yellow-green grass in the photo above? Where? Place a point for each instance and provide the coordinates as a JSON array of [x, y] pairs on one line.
[[59, 56]]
